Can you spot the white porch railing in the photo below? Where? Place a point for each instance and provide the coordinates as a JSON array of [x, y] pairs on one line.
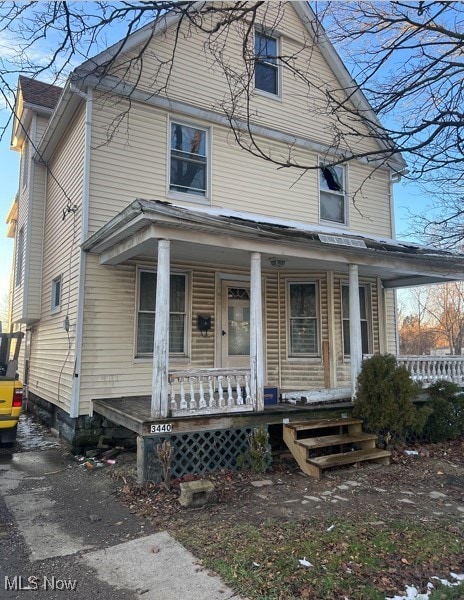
[[428, 369], [209, 391]]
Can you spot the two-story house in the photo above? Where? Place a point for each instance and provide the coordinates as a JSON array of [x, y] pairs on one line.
[[165, 276]]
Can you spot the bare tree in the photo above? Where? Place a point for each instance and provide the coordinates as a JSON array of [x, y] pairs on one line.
[[445, 305], [408, 58], [434, 318]]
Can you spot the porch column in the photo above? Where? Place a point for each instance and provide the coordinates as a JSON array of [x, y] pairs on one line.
[[355, 327], [159, 387], [256, 332]]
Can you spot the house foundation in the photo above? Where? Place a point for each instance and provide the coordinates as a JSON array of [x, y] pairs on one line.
[[82, 432]]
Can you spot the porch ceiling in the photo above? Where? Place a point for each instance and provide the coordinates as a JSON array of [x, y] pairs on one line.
[[224, 237]]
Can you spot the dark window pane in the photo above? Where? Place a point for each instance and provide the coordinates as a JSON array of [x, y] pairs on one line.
[[265, 48], [145, 333], [302, 300], [364, 337], [303, 336], [147, 290], [346, 337], [266, 78], [177, 293], [176, 334], [332, 207]]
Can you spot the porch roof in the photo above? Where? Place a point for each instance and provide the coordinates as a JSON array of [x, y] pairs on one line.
[[194, 229]]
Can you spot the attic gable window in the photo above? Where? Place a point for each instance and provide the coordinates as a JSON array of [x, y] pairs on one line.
[[188, 160], [332, 194], [266, 66]]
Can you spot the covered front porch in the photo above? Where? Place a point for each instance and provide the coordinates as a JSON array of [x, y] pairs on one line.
[[311, 349]]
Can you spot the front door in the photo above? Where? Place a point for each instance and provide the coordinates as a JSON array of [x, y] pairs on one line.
[[235, 339]]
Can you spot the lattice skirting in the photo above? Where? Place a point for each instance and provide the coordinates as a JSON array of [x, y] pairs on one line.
[[198, 452]]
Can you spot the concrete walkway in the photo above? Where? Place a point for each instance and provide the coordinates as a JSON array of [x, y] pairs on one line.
[[64, 535]]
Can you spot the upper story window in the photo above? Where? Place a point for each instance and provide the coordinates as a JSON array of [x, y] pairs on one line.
[[332, 194], [188, 160], [24, 164], [56, 294], [146, 313], [19, 257], [364, 309], [302, 319], [266, 65]]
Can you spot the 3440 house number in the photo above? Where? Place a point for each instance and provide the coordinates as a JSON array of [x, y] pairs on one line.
[[161, 428]]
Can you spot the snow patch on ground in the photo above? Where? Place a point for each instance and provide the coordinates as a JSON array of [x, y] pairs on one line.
[[413, 594]]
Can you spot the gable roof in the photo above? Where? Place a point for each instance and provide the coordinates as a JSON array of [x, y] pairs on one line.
[[316, 33], [39, 93]]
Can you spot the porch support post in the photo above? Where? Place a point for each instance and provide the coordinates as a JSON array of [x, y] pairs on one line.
[[355, 327], [256, 332], [159, 388]]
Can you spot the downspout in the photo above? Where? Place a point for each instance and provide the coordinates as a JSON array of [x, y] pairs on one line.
[[76, 382]]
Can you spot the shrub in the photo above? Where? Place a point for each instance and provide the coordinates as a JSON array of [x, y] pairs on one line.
[[447, 419], [385, 400], [258, 455]]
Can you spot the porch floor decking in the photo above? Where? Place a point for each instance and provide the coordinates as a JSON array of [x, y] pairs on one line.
[[134, 414]]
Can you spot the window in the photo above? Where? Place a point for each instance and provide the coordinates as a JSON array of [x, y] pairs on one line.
[[24, 164], [19, 257], [56, 294], [302, 315], [266, 67], [332, 194], [189, 162], [364, 311], [147, 311]]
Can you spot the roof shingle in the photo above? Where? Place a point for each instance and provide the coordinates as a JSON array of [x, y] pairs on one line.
[[39, 93]]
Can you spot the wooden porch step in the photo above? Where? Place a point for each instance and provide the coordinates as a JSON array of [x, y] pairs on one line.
[[350, 458], [325, 441], [322, 424]]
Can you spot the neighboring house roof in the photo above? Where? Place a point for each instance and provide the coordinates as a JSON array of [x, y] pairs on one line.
[[39, 93], [419, 264]]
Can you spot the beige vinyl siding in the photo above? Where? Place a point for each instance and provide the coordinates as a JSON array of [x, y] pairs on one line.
[[133, 164], [196, 77], [52, 355], [109, 368], [26, 296], [35, 245], [22, 224]]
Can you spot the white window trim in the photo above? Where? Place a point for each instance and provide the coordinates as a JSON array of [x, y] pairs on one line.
[[55, 308], [317, 354], [368, 295], [193, 198], [278, 39], [183, 357], [346, 224]]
